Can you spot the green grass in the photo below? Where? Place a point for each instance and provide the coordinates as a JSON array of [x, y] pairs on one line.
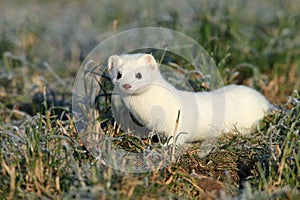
[[43, 157]]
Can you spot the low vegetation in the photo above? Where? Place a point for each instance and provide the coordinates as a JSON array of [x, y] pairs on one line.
[[42, 156]]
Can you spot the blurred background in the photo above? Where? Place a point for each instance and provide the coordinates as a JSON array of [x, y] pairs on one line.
[[43, 42]]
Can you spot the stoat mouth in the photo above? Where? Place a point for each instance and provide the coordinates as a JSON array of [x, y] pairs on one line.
[[130, 89]]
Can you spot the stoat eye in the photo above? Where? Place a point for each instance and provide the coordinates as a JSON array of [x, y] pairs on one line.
[[138, 75], [119, 75]]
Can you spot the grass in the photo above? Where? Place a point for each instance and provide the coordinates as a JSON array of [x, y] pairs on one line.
[[42, 156]]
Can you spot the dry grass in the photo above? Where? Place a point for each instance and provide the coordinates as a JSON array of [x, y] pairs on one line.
[[42, 156]]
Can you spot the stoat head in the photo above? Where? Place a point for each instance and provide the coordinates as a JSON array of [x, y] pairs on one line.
[[132, 73]]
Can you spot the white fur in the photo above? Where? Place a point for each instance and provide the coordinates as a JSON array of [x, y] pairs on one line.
[[155, 102]]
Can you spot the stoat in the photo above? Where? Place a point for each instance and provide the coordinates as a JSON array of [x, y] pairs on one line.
[[157, 104]]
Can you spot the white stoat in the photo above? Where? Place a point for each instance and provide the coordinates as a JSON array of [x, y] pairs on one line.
[[155, 103]]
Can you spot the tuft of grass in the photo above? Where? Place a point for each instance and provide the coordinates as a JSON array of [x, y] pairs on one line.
[[44, 157]]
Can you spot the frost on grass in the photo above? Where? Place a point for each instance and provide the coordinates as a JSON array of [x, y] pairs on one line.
[[45, 157]]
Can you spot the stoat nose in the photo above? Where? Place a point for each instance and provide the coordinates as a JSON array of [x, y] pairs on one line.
[[126, 86]]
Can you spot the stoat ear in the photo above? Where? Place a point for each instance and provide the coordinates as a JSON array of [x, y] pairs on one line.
[[111, 61], [148, 59]]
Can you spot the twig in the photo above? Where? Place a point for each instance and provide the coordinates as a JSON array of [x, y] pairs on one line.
[[174, 138]]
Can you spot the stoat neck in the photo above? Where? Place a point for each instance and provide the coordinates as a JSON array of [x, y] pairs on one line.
[[161, 80]]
